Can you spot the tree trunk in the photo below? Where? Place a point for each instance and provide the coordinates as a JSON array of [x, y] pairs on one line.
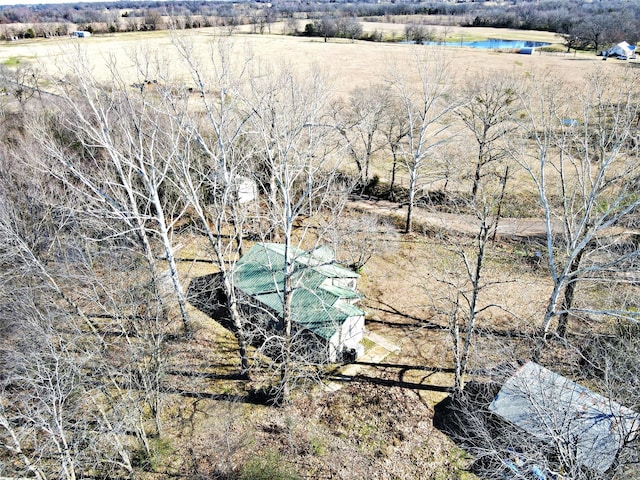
[[392, 195], [175, 279], [412, 195], [476, 180], [236, 319], [282, 396], [548, 316], [569, 293]]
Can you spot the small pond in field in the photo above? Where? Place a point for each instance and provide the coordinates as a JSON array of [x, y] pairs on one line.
[[493, 44]]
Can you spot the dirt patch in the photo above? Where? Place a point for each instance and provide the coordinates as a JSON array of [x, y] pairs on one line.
[[522, 228]]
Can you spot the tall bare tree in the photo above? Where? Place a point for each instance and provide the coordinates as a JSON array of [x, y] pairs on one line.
[[129, 144], [488, 107], [426, 108], [301, 181], [395, 129], [359, 123], [214, 165], [583, 160], [61, 411]]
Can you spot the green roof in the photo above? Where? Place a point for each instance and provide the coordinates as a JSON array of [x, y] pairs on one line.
[[349, 309], [341, 292], [320, 309]]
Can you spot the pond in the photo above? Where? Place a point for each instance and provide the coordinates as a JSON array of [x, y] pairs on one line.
[[494, 44]]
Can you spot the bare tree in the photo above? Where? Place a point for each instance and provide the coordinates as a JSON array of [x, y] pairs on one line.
[[349, 27], [211, 170], [291, 26], [123, 135], [153, 20], [301, 181], [487, 108], [361, 238], [464, 286], [584, 166], [395, 129], [426, 109], [359, 124], [59, 410]]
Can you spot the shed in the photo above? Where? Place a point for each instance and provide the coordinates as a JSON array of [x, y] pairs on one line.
[[246, 189], [553, 408], [323, 301], [243, 188], [622, 50]]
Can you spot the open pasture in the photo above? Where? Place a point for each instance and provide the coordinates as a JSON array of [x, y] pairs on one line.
[[348, 64]]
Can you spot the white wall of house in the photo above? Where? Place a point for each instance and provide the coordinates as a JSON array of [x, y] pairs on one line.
[[348, 336]]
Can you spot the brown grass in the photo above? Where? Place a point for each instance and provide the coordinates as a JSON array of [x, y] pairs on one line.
[[349, 64]]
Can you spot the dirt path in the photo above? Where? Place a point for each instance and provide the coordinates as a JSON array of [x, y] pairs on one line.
[[517, 228]]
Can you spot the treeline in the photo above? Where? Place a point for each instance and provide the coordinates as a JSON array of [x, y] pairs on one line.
[[585, 25], [95, 12]]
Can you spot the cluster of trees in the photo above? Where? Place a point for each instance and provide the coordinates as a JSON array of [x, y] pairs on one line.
[[329, 27], [100, 179], [585, 25], [95, 12], [580, 151], [91, 287]]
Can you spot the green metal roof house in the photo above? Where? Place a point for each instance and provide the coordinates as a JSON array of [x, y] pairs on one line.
[[323, 299]]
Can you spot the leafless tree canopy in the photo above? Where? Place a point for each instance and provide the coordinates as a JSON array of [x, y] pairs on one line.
[[113, 195]]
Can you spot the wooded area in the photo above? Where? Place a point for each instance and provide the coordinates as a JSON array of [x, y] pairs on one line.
[[584, 25], [118, 193]]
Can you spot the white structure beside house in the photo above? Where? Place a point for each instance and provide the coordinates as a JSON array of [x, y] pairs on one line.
[[246, 189], [323, 298], [622, 50]]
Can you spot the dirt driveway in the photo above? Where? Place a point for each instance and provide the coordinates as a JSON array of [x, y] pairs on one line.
[[517, 228]]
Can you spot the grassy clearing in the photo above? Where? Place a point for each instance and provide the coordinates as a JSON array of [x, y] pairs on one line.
[[349, 64], [15, 61]]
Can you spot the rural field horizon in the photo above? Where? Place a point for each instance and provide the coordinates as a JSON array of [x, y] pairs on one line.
[[348, 64]]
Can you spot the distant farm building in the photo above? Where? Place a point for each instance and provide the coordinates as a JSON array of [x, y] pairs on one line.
[[622, 50], [557, 410], [80, 34], [323, 298]]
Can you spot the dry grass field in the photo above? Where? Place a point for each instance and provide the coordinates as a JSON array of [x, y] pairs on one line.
[[379, 424], [348, 64]]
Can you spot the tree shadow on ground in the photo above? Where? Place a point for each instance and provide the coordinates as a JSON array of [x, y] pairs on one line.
[[206, 294], [208, 375], [498, 448], [452, 415], [390, 309], [429, 325], [387, 382], [254, 397], [395, 378]]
